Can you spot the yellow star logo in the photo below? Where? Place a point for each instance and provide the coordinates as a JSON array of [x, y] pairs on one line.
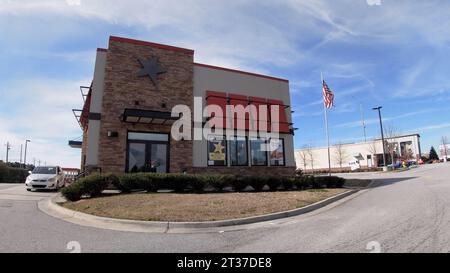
[[218, 148]]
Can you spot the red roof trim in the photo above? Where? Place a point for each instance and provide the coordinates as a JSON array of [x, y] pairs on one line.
[[102, 49], [144, 43], [241, 72]]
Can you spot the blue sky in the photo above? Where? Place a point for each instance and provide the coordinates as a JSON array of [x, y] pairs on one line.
[[394, 54]]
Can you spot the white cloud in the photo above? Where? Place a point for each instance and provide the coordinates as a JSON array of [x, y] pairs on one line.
[[39, 109], [357, 123]]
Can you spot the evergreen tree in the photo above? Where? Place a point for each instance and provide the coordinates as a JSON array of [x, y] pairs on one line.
[[433, 154]]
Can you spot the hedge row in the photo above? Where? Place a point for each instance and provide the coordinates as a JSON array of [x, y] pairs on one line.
[[93, 185], [12, 175]]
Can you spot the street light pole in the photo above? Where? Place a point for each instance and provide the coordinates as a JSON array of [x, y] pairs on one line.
[[25, 155], [382, 134], [21, 150], [8, 147]]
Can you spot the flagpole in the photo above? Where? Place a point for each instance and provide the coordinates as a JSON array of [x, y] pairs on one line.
[[326, 130]]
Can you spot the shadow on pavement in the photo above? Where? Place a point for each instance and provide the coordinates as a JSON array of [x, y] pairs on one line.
[[381, 182]]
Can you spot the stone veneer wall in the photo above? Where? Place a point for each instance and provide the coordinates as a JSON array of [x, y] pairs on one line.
[[124, 89]]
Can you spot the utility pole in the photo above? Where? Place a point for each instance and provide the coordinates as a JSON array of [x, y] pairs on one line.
[[21, 149], [382, 135], [8, 147], [25, 156], [363, 122]]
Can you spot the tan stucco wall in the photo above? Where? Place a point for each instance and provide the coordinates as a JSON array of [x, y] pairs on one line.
[[96, 107], [210, 79]]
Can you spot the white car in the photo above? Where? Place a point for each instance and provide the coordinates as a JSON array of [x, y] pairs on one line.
[[45, 178]]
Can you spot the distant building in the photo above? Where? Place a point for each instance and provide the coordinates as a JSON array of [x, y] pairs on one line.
[[364, 155], [443, 155]]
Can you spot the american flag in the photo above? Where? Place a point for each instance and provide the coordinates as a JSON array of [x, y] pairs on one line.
[[328, 97]]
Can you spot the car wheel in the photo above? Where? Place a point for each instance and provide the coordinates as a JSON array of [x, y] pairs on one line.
[[28, 189]]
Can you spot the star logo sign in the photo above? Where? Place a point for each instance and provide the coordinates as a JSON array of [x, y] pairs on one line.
[[151, 68], [218, 148]]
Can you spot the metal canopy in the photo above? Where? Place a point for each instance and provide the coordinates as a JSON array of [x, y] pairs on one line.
[[75, 144], [77, 113], [85, 91], [148, 117]]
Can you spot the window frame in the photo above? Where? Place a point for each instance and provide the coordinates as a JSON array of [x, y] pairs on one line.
[[236, 139], [284, 154], [265, 152]]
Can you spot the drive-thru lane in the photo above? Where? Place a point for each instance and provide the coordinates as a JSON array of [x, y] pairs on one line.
[[404, 212]]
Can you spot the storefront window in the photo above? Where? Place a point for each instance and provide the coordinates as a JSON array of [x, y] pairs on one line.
[[239, 151], [217, 151], [277, 152], [258, 152]]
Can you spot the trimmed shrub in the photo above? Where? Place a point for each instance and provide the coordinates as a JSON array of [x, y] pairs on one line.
[[257, 182], [92, 185], [152, 182], [197, 183], [274, 183], [240, 183], [318, 182], [287, 183], [128, 182], [112, 179], [73, 192], [328, 182], [179, 182], [12, 175], [340, 182], [217, 181]]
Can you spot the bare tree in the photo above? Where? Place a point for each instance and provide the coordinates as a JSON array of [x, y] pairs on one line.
[[444, 142], [391, 133], [303, 154], [340, 154], [372, 148], [309, 151]]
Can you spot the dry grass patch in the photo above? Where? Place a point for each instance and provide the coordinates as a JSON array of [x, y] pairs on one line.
[[198, 207]]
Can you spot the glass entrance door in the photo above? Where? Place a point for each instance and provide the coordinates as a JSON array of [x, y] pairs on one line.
[[146, 154], [136, 157], [158, 158]]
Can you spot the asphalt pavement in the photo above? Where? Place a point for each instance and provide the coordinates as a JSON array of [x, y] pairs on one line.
[[403, 212]]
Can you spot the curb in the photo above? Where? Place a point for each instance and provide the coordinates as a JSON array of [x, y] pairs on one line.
[[50, 207]]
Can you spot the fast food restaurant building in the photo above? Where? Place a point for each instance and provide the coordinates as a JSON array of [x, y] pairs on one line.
[[127, 114]]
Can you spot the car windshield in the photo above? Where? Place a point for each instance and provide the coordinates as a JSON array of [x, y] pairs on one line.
[[44, 170]]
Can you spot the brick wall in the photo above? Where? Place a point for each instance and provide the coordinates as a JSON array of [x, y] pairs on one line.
[[125, 89], [256, 171]]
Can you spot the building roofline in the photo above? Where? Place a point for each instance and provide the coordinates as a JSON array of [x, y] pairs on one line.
[[358, 143], [145, 43], [241, 72], [188, 51]]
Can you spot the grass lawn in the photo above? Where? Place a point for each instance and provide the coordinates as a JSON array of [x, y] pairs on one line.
[[198, 207]]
